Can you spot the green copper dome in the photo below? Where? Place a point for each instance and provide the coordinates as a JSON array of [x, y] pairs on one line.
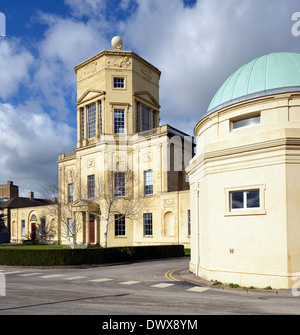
[[269, 74]]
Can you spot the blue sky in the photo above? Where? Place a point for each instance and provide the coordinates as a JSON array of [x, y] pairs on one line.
[[196, 44]]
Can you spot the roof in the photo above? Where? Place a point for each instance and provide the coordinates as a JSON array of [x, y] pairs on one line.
[[269, 74], [20, 202]]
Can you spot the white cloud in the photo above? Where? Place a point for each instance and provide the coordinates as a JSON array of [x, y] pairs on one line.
[[81, 8], [30, 144], [198, 47], [15, 62], [67, 42]]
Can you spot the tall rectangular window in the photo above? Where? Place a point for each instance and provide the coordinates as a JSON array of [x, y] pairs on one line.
[[43, 226], [148, 227], [70, 193], [245, 200], [119, 82], [23, 227], [91, 116], [137, 120], [120, 225], [154, 119], [148, 176], [70, 227], [91, 186], [120, 184], [189, 222], [119, 121], [100, 117], [145, 118], [82, 123]]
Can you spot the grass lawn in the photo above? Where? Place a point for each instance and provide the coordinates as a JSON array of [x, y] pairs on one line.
[[34, 246]]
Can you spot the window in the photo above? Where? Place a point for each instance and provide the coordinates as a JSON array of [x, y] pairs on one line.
[[120, 184], [137, 121], [119, 82], [100, 117], [244, 200], [82, 123], [43, 227], [70, 227], [91, 186], [119, 121], [245, 122], [120, 225], [148, 231], [148, 182], [70, 193], [23, 227], [91, 116], [154, 119], [189, 222], [145, 118]]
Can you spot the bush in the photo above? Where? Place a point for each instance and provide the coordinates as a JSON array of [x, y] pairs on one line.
[[48, 257]]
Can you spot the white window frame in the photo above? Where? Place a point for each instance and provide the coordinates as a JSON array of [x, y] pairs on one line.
[[23, 228], [119, 84], [91, 120], [229, 211], [70, 227], [148, 182], [148, 224], [245, 200]]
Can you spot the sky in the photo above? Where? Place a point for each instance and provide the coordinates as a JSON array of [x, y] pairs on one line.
[[197, 45]]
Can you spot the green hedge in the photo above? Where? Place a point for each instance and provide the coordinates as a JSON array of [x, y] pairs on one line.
[[87, 256]]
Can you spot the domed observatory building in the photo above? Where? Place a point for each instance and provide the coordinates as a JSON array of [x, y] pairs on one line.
[[245, 177]]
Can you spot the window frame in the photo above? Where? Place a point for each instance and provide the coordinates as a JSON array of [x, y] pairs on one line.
[[148, 188], [70, 193], [118, 121], [119, 85], [23, 228], [70, 227], [235, 121], [91, 120], [229, 211], [146, 118], [120, 225], [245, 200], [148, 224], [189, 222], [43, 226], [121, 188], [91, 186]]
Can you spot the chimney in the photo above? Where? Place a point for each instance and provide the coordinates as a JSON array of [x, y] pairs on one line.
[[30, 195]]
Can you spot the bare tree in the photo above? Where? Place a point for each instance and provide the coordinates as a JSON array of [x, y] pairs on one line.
[[116, 195], [66, 210]]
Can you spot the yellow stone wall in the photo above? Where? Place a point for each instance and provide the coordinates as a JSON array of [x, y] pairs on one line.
[[158, 148], [249, 247]]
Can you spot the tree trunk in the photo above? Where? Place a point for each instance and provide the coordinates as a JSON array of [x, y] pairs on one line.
[[105, 233]]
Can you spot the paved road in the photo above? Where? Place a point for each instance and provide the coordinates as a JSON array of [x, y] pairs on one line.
[[144, 288]]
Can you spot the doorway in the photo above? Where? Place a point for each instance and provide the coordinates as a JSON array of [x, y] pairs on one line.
[[92, 229], [33, 231]]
